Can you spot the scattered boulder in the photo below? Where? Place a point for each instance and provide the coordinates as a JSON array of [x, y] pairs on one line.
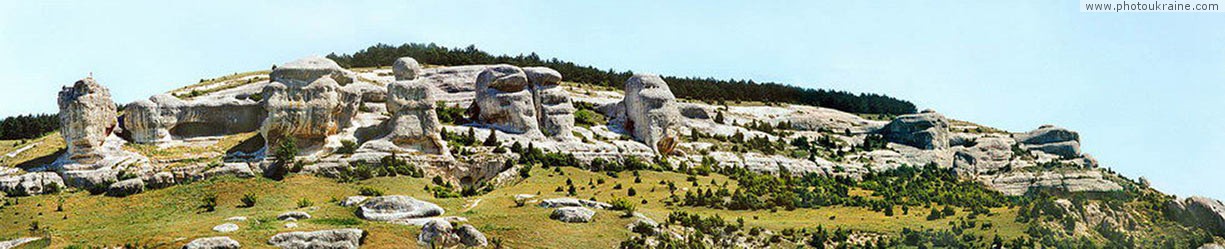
[[405, 68], [469, 236], [296, 215], [556, 113], [1199, 211], [353, 201], [225, 228], [650, 111], [1053, 140], [33, 183], [572, 214], [14, 243], [928, 130], [213, 243], [160, 180], [437, 232], [126, 187], [236, 218], [87, 117], [394, 207], [572, 202], [503, 101], [350, 238], [291, 225], [414, 123]]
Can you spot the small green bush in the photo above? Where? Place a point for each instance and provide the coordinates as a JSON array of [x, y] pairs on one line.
[[248, 200]]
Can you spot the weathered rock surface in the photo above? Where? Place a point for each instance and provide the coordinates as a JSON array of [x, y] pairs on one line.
[[394, 207], [213, 243], [165, 117], [504, 102], [304, 71], [225, 228], [414, 123], [572, 214], [1199, 211], [555, 112], [16, 242], [307, 113], [1019, 182], [987, 155], [296, 215], [650, 110], [437, 232], [339, 238], [469, 236], [1051, 139], [927, 130], [406, 68], [353, 201], [572, 202], [126, 187], [455, 84], [34, 183], [87, 118]]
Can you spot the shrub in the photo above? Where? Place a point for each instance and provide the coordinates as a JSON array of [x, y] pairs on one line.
[[209, 202], [304, 203], [248, 200], [347, 147], [368, 191], [631, 192]]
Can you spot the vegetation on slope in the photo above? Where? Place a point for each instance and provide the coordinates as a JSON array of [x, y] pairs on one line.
[[28, 126], [706, 89]]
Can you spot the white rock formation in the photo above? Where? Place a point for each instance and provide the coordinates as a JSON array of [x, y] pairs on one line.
[[304, 71], [394, 207], [504, 102], [33, 183], [87, 116], [555, 112], [406, 68], [164, 117], [308, 113], [1051, 139], [213, 243], [414, 123], [572, 214], [650, 110], [350, 238], [928, 130]]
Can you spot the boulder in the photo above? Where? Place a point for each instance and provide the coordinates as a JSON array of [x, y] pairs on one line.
[[213, 243], [14, 243], [350, 238], [160, 180], [928, 130], [307, 113], [456, 84], [503, 101], [414, 123], [556, 113], [304, 71], [394, 207], [126, 187], [572, 214], [296, 215], [1053, 140], [87, 117], [437, 232], [33, 183], [650, 111], [405, 68], [165, 117], [225, 228], [353, 201], [469, 236], [1199, 211], [368, 92], [987, 155]]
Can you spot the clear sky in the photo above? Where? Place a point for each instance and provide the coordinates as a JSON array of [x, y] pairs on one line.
[[1145, 90]]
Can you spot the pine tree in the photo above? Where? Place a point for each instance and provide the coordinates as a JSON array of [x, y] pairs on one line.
[[492, 140]]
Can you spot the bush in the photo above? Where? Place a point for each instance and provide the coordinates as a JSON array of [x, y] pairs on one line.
[[305, 203], [248, 200], [209, 202], [347, 147], [631, 192], [368, 191]]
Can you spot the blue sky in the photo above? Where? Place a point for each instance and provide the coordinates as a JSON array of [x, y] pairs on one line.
[[1145, 90]]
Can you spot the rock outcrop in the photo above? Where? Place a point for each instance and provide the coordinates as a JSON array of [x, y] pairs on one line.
[[304, 71], [296, 215], [87, 117], [350, 238], [34, 183], [126, 187], [1052, 140], [572, 214], [406, 68], [306, 112], [1198, 211], [555, 112], [928, 130], [469, 236], [987, 155], [650, 110], [165, 117], [394, 207], [572, 202], [437, 232], [213, 243], [503, 101], [414, 123], [1020, 182], [225, 228]]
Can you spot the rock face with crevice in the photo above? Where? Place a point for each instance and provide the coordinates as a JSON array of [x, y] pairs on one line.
[[305, 71], [414, 123], [165, 117], [306, 104], [1053, 140], [1199, 211], [650, 110], [87, 116], [927, 130], [504, 102], [556, 113]]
